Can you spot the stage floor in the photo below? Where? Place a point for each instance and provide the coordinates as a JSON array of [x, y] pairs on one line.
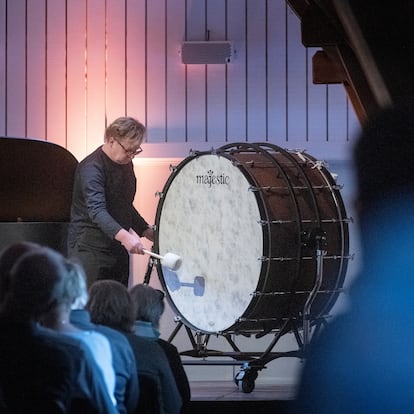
[[216, 397], [228, 391]]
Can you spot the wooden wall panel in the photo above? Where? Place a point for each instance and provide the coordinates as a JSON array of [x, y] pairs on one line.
[[76, 78], [56, 72], [175, 72], [196, 130], [256, 71], [115, 59], [216, 75], [196, 88], [96, 72], [156, 71], [74, 66], [296, 78], [336, 110], [36, 70], [16, 69], [276, 62], [136, 52], [236, 72], [3, 66]]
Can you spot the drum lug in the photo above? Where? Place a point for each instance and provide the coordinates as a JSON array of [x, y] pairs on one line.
[[316, 238]]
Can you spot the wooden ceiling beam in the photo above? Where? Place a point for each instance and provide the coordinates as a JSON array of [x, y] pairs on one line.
[[336, 62], [317, 29], [298, 6], [356, 84]]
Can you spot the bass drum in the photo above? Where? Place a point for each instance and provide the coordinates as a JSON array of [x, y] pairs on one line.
[[245, 219]]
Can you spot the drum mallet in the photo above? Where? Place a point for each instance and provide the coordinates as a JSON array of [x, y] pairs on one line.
[[170, 260]]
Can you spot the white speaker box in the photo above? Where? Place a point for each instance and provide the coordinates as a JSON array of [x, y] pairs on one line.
[[206, 52]]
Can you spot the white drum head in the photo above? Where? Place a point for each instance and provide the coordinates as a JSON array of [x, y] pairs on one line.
[[211, 219]]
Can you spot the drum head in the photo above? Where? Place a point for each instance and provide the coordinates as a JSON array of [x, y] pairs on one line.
[[209, 217]]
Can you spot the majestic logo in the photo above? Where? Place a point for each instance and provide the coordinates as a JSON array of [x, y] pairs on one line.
[[211, 179]]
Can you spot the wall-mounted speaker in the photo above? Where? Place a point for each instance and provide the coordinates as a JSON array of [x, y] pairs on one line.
[[207, 52]]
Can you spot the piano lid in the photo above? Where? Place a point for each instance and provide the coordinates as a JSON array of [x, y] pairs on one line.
[[36, 180]]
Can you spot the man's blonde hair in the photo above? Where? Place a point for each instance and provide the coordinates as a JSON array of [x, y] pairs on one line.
[[126, 129]]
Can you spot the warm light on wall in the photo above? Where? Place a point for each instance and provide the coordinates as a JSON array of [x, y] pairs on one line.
[[152, 174]]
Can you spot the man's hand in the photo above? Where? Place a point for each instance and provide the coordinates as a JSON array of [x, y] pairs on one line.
[[130, 240]]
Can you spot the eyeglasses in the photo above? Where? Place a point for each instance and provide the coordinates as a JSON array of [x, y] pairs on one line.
[[130, 153]]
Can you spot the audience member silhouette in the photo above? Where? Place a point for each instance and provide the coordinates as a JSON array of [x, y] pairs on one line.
[[148, 304], [126, 386], [9, 256], [40, 370], [110, 304], [362, 363], [58, 318]]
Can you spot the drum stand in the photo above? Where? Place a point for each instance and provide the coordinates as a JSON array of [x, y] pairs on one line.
[[318, 241], [253, 362]]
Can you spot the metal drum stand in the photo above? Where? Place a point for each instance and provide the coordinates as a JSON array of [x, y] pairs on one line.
[[252, 362]]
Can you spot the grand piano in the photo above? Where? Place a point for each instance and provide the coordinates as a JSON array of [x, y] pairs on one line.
[[35, 192]]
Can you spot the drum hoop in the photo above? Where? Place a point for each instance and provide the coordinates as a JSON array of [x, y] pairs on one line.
[[342, 219], [260, 147], [341, 213]]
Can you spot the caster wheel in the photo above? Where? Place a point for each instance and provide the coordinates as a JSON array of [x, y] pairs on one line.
[[246, 385], [245, 379], [239, 377]]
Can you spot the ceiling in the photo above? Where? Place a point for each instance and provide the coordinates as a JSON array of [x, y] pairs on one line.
[[367, 45]]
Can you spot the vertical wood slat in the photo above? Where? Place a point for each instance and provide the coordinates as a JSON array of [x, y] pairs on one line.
[[96, 70], [256, 71], [175, 72], [156, 66], [76, 78], [216, 82], [296, 104], [276, 85], [116, 59], [3, 66], [196, 75], [336, 114], [36, 69], [236, 72], [136, 51], [56, 72], [16, 69]]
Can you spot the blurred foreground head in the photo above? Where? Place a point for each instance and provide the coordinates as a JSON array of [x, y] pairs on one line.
[[384, 157]]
